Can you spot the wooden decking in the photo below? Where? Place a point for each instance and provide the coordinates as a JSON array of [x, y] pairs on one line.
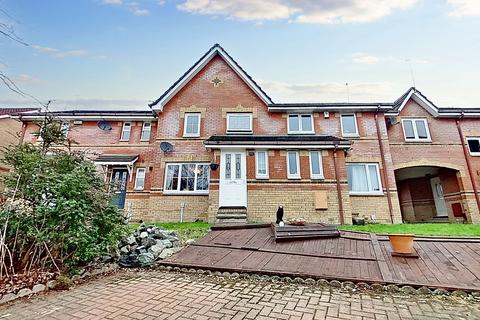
[[451, 263]]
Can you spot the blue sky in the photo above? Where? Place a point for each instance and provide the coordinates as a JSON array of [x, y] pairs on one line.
[[122, 53]]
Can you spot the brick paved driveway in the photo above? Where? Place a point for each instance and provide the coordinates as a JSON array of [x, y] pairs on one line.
[[164, 295]]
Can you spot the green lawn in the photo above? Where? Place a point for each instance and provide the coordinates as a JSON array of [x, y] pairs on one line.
[[184, 230], [427, 229]]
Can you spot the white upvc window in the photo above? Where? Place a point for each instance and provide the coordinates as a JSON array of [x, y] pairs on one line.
[[364, 179], [416, 130], [261, 164], [293, 165], [146, 130], [140, 179], [240, 122], [126, 128], [65, 127], [191, 126], [474, 145], [300, 124], [316, 165], [187, 178], [349, 125]]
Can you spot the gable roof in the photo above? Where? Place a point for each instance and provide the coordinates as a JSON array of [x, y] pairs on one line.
[[7, 112], [216, 49], [427, 104]]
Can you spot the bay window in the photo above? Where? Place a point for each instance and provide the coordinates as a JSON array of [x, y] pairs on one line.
[[187, 178], [364, 178]]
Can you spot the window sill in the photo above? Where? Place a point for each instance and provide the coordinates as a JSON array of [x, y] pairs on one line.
[[191, 135], [317, 178], [302, 133], [239, 132], [186, 193], [475, 154], [262, 177], [294, 178], [418, 141], [367, 194], [145, 140], [353, 135], [138, 190]]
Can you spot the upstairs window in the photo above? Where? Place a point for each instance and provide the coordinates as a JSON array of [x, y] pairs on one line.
[[127, 126], [474, 146], [187, 178], [192, 125], [293, 165], [239, 122], [316, 165], [146, 129], [261, 165], [349, 125], [364, 178], [140, 179], [65, 127], [416, 130], [300, 123]]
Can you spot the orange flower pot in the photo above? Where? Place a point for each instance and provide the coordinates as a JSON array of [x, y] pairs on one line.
[[401, 243]]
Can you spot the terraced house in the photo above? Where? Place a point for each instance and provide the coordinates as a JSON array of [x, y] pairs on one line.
[[215, 147]]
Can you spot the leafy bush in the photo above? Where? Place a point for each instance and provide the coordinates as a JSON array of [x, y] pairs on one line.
[[58, 211]]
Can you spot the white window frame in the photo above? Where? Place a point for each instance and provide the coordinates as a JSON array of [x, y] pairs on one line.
[[257, 174], [180, 164], [188, 115], [475, 154], [137, 187], [300, 129], [123, 130], [356, 134], [230, 114], [289, 175], [320, 163], [415, 132], [65, 127], [143, 130], [369, 182]]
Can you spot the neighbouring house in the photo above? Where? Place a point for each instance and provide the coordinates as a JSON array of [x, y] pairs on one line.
[[10, 133], [215, 147]]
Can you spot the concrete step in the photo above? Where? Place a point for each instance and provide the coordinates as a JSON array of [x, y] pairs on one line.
[[232, 215]]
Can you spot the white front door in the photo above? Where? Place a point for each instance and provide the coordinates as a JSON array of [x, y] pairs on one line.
[[233, 179], [440, 204]]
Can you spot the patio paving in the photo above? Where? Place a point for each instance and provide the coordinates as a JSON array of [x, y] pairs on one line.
[[168, 295]]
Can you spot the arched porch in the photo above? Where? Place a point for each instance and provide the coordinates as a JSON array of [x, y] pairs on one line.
[[430, 194]]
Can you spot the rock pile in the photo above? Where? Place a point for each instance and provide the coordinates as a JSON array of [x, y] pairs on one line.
[[147, 245]]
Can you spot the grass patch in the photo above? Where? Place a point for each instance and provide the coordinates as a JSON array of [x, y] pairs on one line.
[[184, 230], [426, 229]]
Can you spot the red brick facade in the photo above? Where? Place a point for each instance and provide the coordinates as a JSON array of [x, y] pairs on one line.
[[404, 195]]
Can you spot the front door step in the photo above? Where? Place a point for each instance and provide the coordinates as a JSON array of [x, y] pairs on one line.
[[229, 215]]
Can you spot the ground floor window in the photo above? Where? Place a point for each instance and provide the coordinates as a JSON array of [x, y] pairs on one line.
[[474, 146], [140, 179], [261, 165], [364, 178], [316, 165], [293, 164], [187, 177]]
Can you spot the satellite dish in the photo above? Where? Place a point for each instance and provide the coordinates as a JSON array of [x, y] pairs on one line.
[[166, 147], [104, 125]]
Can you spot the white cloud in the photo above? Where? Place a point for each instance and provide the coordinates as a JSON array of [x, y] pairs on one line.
[[465, 8], [28, 80], [328, 91], [302, 11], [132, 6], [56, 53], [115, 2], [365, 58]]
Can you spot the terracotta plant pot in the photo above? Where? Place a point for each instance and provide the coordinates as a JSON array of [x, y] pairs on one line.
[[401, 243]]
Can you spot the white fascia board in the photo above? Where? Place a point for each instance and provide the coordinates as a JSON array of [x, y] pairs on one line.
[[275, 146], [161, 104], [425, 104], [92, 118], [321, 109]]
